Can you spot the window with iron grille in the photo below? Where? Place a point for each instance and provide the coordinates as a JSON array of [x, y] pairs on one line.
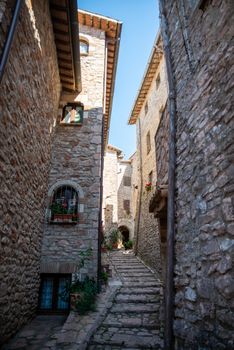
[[73, 114], [127, 181], [64, 205], [126, 205]]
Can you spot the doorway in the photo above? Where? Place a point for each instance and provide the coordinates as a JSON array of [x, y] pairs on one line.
[[124, 233], [52, 298]]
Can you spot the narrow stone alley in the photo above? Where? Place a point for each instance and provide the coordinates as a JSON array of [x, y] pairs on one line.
[[135, 319]]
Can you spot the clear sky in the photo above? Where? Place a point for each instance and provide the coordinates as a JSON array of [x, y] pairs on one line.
[[140, 25]]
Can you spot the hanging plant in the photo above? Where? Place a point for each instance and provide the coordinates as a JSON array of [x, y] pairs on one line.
[[148, 186]]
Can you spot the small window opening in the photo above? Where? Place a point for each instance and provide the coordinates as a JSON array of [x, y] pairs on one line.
[[150, 177], [127, 181], [84, 47], [146, 107], [148, 143], [126, 205], [158, 80]]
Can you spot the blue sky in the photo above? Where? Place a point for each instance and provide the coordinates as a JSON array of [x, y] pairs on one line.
[[140, 26]]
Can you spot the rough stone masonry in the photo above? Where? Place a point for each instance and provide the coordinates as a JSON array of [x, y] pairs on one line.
[[26, 128], [201, 35]]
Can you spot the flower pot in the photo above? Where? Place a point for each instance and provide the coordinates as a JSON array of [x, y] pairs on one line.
[[64, 218], [74, 297]]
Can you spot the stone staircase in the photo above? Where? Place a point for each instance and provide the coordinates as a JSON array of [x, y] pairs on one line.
[[134, 320]]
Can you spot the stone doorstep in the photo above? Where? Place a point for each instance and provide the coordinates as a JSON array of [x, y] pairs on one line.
[[136, 298], [78, 329]]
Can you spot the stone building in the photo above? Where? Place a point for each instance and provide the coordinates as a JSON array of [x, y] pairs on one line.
[[146, 114], [117, 194], [52, 135], [202, 53]]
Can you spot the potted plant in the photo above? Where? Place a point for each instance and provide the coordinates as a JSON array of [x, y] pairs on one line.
[[60, 213], [114, 238], [128, 245]]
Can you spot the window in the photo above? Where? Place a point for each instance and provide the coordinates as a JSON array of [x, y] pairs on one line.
[[150, 177], [72, 114], [148, 144], [127, 181], [84, 47], [126, 206], [51, 288], [64, 205], [158, 81], [146, 107]]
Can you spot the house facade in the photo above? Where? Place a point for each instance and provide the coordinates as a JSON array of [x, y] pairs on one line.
[[55, 113], [117, 194], [147, 111], [201, 40]]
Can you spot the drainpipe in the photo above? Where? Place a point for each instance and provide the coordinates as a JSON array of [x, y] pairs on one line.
[[10, 36], [169, 292], [140, 190], [100, 233]]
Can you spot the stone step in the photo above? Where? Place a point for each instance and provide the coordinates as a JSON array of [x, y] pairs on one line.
[[149, 321], [138, 280], [137, 298], [140, 290], [120, 307], [133, 269], [136, 274], [127, 337], [141, 284]]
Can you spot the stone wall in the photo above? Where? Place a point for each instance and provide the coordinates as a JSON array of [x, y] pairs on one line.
[[202, 54], [110, 184], [147, 237], [124, 194], [76, 157], [29, 99]]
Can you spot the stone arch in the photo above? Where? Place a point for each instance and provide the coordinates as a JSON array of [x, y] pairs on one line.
[[71, 183], [129, 225]]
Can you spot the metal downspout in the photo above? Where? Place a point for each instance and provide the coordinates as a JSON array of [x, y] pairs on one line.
[[74, 33], [10, 36], [140, 190], [169, 292]]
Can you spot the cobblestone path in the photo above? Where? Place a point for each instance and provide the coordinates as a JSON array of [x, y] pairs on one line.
[[133, 321]]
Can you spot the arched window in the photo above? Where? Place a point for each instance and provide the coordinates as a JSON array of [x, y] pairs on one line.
[[64, 205], [84, 47]]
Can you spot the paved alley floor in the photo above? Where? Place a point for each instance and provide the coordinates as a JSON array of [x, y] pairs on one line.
[[38, 334], [133, 321]]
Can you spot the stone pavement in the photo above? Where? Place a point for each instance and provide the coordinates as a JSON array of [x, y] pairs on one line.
[[135, 319], [37, 334]]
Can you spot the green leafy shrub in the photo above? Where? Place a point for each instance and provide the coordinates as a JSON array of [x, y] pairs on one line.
[[87, 291], [128, 245], [115, 236]]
